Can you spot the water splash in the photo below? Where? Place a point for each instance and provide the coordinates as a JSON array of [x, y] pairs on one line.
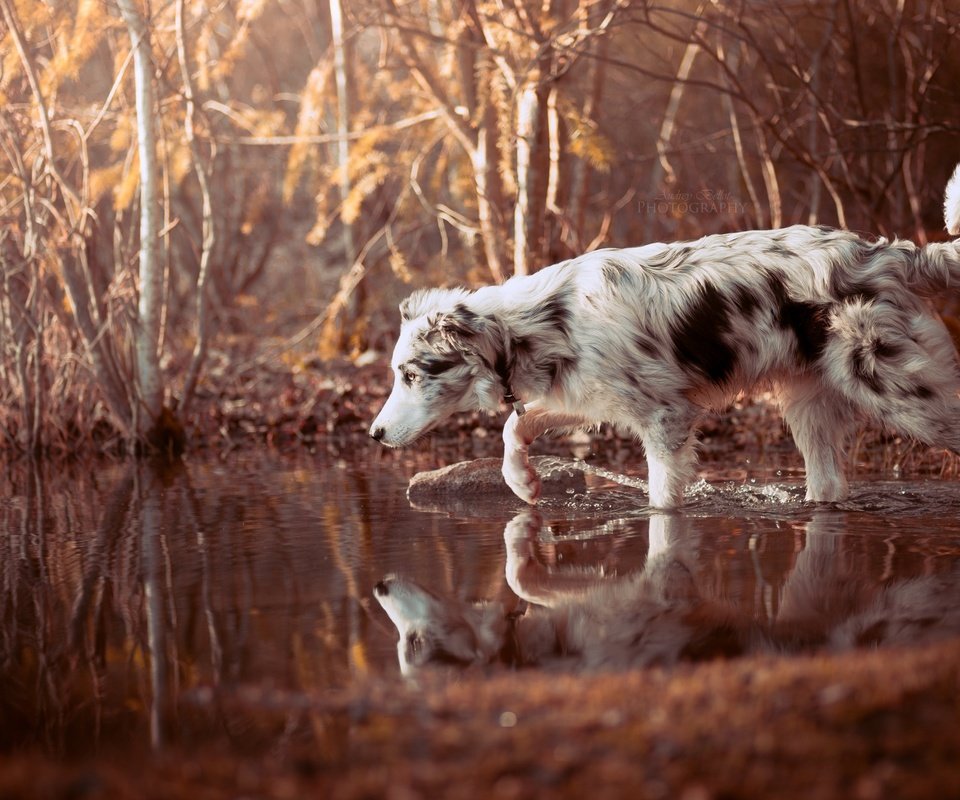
[[617, 492]]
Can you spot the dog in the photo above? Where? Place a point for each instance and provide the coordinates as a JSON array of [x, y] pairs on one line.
[[667, 613], [649, 337]]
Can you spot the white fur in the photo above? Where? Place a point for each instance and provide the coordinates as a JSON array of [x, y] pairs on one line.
[[951, 205], [648, 337]]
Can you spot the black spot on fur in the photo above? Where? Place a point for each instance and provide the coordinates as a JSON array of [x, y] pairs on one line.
[[922, 392], [699, 341], [809, 324], [777, 289], [469, 322], [557, 315], [551, 313], [746, 300], [808, 321], [503, 367]]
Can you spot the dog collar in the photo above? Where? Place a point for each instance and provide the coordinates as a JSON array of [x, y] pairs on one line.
[[515, 403]]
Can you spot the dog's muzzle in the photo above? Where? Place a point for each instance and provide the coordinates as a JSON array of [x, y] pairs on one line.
[[377, 432]]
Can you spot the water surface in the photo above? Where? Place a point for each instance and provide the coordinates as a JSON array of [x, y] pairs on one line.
[[136, 605]]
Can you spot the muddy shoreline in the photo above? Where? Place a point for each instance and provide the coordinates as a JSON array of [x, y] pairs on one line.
[[867, 725], [328, 406]]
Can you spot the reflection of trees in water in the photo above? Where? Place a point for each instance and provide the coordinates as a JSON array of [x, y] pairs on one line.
[[124, 589], [143, 605]]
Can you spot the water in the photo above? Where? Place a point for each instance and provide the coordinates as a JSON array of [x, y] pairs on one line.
[[135, 606]]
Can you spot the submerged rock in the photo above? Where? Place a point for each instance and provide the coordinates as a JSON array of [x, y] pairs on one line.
[[482, 478]]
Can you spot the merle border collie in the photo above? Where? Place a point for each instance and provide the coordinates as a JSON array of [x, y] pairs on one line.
[[648, 337]]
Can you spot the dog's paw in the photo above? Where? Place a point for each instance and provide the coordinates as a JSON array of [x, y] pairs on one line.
[[522, 530], [522, 480]]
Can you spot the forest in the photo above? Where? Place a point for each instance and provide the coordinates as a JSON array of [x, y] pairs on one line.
[[209, 209]]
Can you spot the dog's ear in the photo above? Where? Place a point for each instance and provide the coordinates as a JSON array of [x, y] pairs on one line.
[[423, 301], [459, 326]]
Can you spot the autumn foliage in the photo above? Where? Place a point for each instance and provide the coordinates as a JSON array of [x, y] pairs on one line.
[[318, 159]]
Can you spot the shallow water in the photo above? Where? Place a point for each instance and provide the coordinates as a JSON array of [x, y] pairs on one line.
[[134, 603]]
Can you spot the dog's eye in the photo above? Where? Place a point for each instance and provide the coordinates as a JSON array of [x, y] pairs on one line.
[[409, 376]]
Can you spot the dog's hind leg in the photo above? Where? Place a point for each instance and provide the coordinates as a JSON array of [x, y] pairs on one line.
[[670, 445], [820, 421], [519, 432]]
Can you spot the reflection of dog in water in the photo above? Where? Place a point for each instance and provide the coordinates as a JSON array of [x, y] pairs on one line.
[[578, 620], [647, 337]]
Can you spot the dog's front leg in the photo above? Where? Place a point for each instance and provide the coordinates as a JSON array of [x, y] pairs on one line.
[[519, 432]]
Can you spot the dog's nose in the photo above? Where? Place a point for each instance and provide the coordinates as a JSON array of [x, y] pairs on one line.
[[378, 432], [381, 589]]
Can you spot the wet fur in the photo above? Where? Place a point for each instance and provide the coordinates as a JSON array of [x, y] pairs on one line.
[[648, 337]]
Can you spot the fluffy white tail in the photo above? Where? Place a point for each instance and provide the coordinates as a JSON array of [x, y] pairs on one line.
[[951, 203]]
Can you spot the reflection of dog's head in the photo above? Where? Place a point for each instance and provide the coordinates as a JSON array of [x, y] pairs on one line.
[[442, 364], [438, 631]]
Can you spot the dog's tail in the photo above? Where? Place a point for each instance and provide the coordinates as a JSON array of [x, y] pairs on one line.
[[951, 204], [937, 266]]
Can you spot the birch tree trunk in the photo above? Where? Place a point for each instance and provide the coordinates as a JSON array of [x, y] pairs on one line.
[[343, 120], [489, 184], [532, 165], [662, 171], [149, 385], [596, 73]]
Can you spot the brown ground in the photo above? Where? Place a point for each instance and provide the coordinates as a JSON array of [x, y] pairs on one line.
[[869, 725]]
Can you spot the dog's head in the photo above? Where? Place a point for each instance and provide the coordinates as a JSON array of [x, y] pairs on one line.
[[442, 364], [437, 631]]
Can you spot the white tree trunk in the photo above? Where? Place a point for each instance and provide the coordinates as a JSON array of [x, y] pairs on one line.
[[149, 385], [343, 120], [662, 173], [525, 211]]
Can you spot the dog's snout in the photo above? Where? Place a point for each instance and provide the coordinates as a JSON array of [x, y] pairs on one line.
[[378, 432], [381, 589]]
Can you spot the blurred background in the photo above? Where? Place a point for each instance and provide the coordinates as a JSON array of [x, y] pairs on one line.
[[315, 160]]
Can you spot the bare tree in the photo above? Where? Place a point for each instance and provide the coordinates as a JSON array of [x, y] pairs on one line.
[[147, 333], [202, 167]]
